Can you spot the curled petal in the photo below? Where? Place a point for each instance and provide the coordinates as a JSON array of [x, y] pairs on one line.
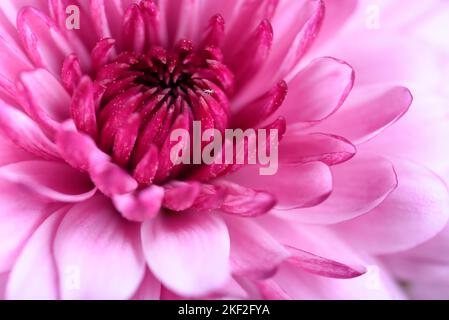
[[140, 205]]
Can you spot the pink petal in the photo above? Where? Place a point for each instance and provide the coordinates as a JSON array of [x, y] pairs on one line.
[[146, 169], [322, 266], [180, 196], [270, 290], [54, 181], [188, 252], [367, 112], [102, 52], [10, 153], [360, 185], [83, 107], [82, 39], [301, 285], [140, 205], [12, 63], [134, 29], [245, 202], [101, 23], [242, 22], [297, 147], [150, 288], [210, 198], [107, 176], [318, 90], [71, 73], [336, 16], [20, 215], [98, 254], [412, 214], [252, 56], [254, 253], [43, 41], [215, 33], [44, 98], [295, 24], [294, 186], [259, 110], [25, 133], [34, 275]]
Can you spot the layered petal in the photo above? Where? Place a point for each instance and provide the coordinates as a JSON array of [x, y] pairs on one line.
[[34, 275], [412, 214], [254, 252], [318, 90], [53, 181], [98, 254], [368, 111], [297, 147], [360, 185], [188, 252], [20, 215], [294, 186]]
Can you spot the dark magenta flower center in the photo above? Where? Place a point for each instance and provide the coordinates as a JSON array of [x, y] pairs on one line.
[[147, 96]]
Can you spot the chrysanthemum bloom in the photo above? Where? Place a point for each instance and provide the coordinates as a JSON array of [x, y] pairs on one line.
[[93, 207]]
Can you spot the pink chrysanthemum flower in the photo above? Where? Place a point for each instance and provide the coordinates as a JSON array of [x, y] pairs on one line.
[[92, 207]]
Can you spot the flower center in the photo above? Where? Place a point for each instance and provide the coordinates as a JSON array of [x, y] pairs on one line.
[[147, 96]]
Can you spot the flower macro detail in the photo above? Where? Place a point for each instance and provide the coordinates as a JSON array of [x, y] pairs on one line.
[[94, 207]]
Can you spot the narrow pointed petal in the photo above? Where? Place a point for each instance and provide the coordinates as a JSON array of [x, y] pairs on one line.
[[322, 266], [83, 108], [71, 73]]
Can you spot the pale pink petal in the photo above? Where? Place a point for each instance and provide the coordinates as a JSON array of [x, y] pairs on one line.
[[322, 266], [98, 254], [367, 112], [20, 215], [254, 252], [301, 285], [188, 252], [412, 214], [318, 90], [53, 181], [297, 147], [34, 275], [359, 186], [150, 288], [294, 186]]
